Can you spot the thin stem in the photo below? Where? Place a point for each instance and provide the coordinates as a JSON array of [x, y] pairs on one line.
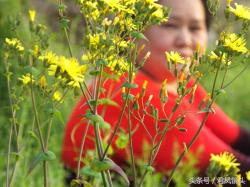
[[216, 76], [13, 126], [237, 76], [8, 158], [116, 127], [131, 146], [86, 98], [37, 118], [81, 151], [97, 129], [65, 30], [69, 46]]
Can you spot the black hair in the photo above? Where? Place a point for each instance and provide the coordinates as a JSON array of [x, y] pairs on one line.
[[207, 14]]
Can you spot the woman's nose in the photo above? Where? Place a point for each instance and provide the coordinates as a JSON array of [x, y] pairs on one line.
[[184, 38]]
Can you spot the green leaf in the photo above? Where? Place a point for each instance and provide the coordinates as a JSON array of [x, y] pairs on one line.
[[100, 166], [118, 170], [88, 171], [98, 119], [122, 141], [103, 101], [101, 62], [40, 157], [94, 72], [139, 35], [59, 116], [107, 101], [129, 85], [148, 168], [64, 23], [33, 135]]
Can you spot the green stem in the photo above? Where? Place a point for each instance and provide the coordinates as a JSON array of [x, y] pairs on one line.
[[81, 151], [131, 146], [116, 127], [69, 46], [36, 117], [8, 158], [13, 126], [237, 76], [97, 129], [43, 146]]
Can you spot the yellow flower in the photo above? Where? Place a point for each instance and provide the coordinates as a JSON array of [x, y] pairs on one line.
[[106, 22], [57, 96], [248, 175], [240, 11], [225, 160], [32, 15], [238, 180], [117, 4], [36, 50], [174, 57], [66, 69], [214, 57], [48, 57], [94, 39], [14, 43], [233, 42], [42, 82], [26, 79], [158, 13]]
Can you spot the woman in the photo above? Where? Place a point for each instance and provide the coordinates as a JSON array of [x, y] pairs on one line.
[[185, 30]]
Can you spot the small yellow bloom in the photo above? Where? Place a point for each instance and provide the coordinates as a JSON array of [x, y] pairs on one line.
[[42, 82], [174, 57], [36, 50], [233, 42], [26, 79], [214, 57], [240, 11], [145, 84], [106, 22], [14, 43], [248, 175], [225, 160], [117, 4], [32, 15], [57, 96]]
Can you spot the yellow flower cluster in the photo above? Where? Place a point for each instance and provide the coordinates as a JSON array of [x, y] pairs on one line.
[[14, 43], [233, 42], [117, 5], [26, 79], [240, 11], [66, 69], [174, 57], [225, 160]]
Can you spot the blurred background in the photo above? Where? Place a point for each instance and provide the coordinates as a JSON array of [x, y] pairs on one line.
[[235, 102]]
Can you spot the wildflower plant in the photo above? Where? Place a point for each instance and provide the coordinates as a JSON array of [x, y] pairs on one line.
[[110, 49]]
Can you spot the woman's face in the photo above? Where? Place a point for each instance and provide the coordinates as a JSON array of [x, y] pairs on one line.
[[185, 29]]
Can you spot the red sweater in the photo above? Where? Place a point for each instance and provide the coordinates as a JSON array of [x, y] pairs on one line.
[[217, 135]]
